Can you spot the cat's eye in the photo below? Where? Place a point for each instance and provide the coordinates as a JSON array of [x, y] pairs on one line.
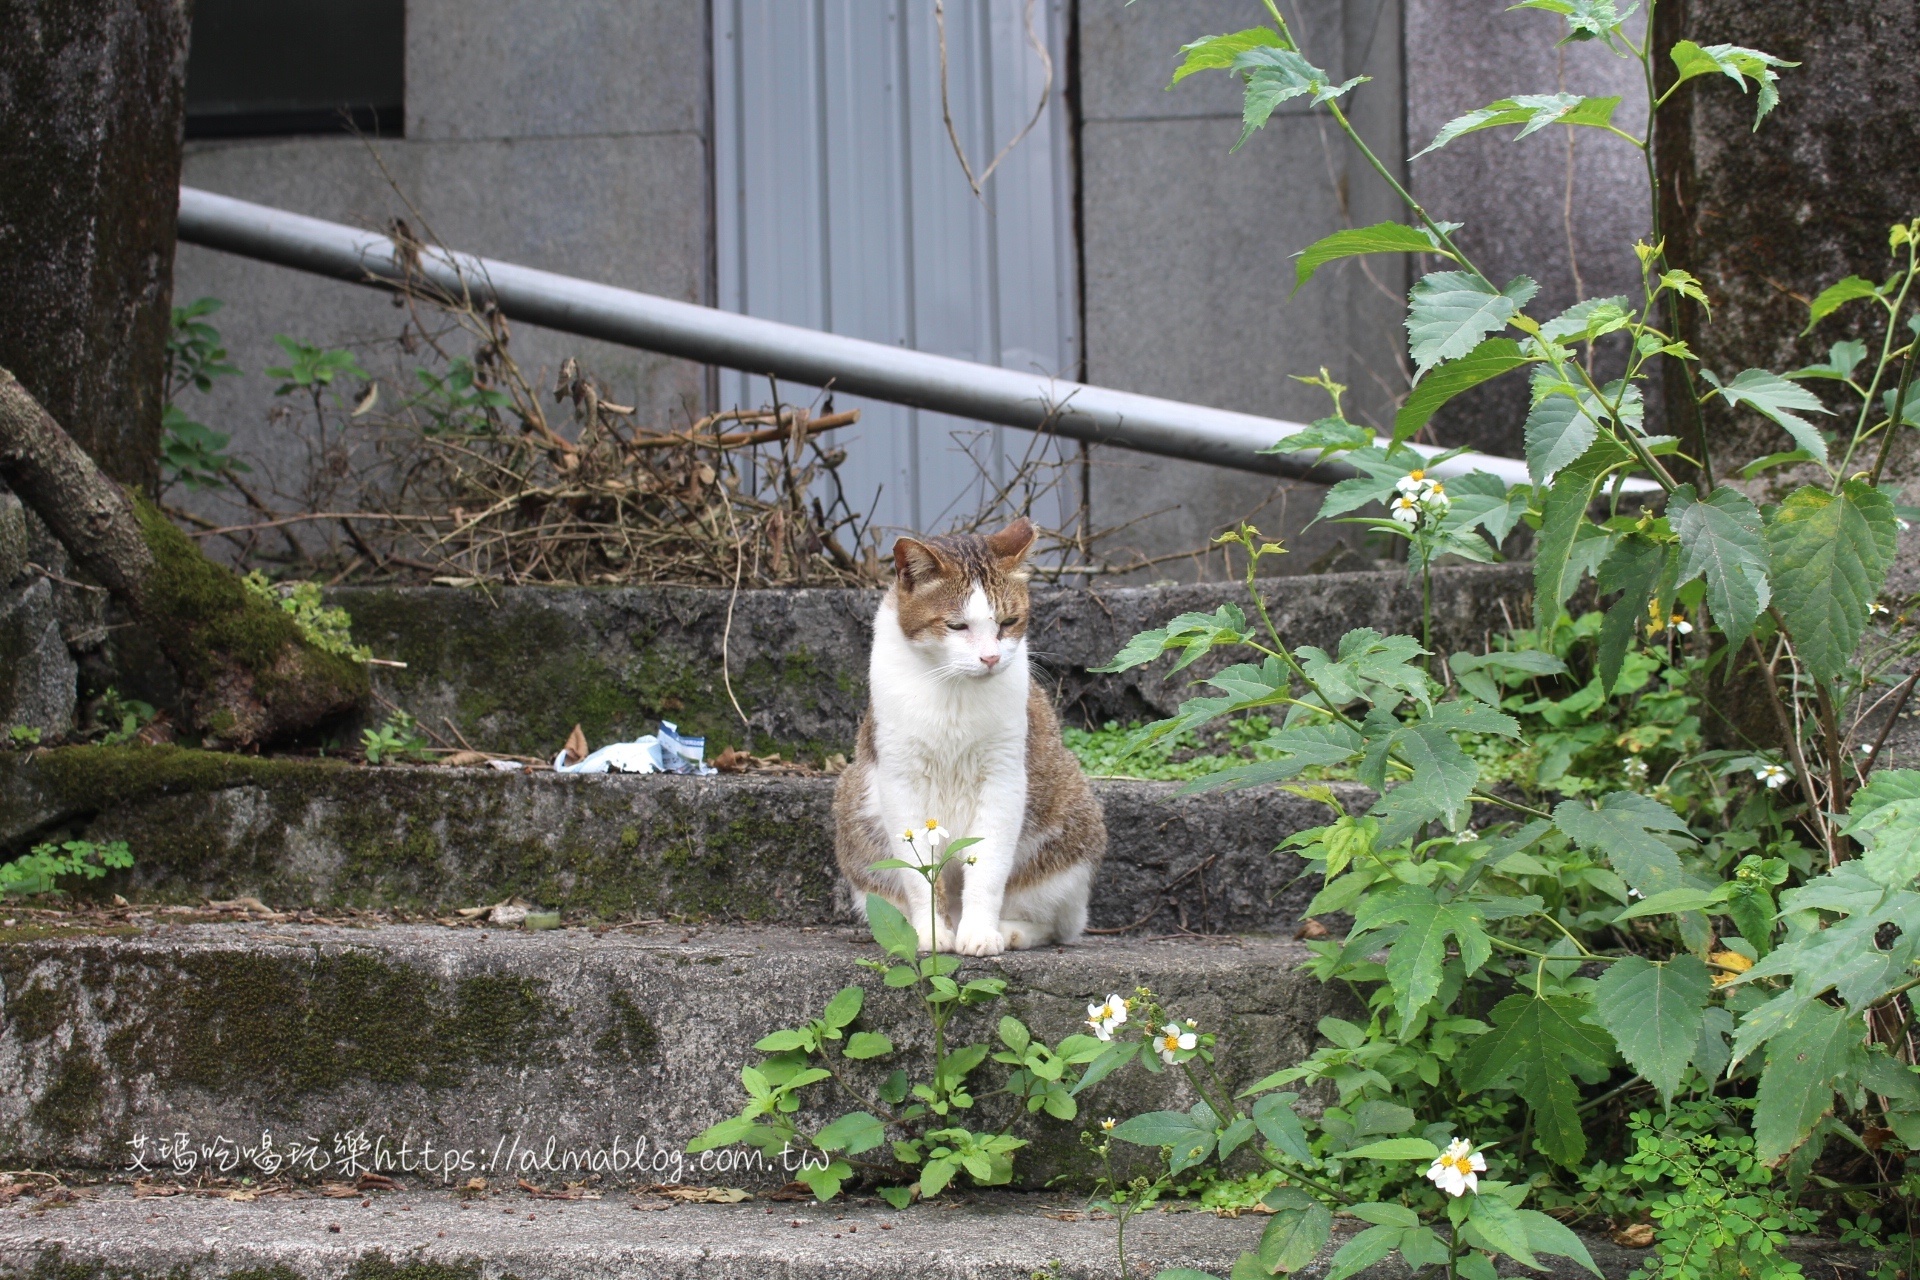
[[1009, 622], [956, 626]]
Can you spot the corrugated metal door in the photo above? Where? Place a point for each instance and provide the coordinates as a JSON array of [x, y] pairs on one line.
[[840, 205]]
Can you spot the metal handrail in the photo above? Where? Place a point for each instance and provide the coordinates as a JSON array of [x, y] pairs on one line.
[[987, 393]]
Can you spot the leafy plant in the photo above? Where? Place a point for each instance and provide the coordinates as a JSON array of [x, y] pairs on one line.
[[911, 1131], [120, 719], [1543, 929], [325, 627], [22, 736], [397, 738], [192, 453], [41, 867]]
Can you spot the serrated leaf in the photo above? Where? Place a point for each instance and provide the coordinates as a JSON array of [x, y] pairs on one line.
[[1654, 1012], [1498, 1225], [1670, 902], [1489, 360], [1449, 312], [1835, 296], [853, 1133], [1549, 1235], [1737, 64], [1842, 359], [1441, 786], [1588, 319], [1635, 833], [1805, 1061], [1218, 53], [1190, 634], [1297, 1232], [1367, 665], [1885, 817], [1562, 517], [1159, 1129], [1830, 556], [1417, 958], [1328, 435], [1279, 1124], [1586, 19], [1382, 237], [844, 1007], [1535, 1042], [1721, 540], [1565, 419], [1780, 402], [1361, 1252], [1276, 75], [1534, 111]]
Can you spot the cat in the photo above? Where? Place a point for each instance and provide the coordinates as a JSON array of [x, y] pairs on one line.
[[958, 732]]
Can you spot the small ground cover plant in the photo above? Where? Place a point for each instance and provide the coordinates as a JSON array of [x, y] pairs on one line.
[[42, 867], [1645, 961]]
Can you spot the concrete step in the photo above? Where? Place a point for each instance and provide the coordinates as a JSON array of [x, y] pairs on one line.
[[423, 1235], [758, 848], [517, 667], [117, 1033]]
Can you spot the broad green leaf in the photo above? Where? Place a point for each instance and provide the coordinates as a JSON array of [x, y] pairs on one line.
[[1633, 569], [1777, 399], [1382, 237], [1441, 786], [1112, 1058], [1830, 556], [1549, 1235], [1420, 1247], [1499, 1226], [1588, 319], [867, 1044], [1192, 634], [1471, 670], [891, 929], [1561, 520], [1376, 1116], [824, 1183], [1490, 359], [1805, 1061], [1721, 540], [1276, 75], [1536, 1044], [1217, 53], [1367, 665], [1565, 419], [1394, 1149], [1382, 1214], [1328, 435], [1737, 64], [1885, 817], [853, 1133], [1416, 960], [1842, 359], [1184, 1273], [1159, 1129], [1835, 296], [1279, 1124], [1297, 1232], [1655, 1012], [1586, 19], [1635, 833], [1673, 902], [782, 1041], [1772, 460], [844, 1007], [1534, 111], [1451, 311], [1361, 1252]]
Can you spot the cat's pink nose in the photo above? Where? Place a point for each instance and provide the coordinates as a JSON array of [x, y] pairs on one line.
[[989, 660]]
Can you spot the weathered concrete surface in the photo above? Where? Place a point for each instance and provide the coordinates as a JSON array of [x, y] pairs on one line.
[[468, 1037], [38, 678], [1769, 218], [321, 833], [93, 95], [516, 668], [421, 1235]]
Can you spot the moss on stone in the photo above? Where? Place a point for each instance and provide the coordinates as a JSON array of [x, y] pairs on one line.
[[35, 1013], [70, 1107], [630, 1036], [378, 1266]]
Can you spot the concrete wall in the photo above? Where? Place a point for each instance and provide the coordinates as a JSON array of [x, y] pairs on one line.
[[572, 137], [1186, 256]]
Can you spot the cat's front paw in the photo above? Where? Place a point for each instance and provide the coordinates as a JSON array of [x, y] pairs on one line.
[[978, 940], [942, 939]]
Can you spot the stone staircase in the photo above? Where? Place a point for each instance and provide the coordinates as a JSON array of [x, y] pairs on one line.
[[700, 913]]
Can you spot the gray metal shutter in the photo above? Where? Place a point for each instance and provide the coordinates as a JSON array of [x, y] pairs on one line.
[[841, 206]]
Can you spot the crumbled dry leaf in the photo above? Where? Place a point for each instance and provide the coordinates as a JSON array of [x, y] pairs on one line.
[[701, 1195], [465, 759], [1636, 1235], [1311, 930], [339, 1190]]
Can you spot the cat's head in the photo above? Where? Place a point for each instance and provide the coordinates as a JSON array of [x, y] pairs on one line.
[[962, 599]]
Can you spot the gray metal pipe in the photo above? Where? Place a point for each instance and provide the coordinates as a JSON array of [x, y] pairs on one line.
[[987, 393]]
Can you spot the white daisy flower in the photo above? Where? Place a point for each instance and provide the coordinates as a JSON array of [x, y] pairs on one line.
[[1405, 510], [1106, 1125], [1773, 775], [1681, 625], [1877, 609], [925, 840], [1173, 1039], [1104, 1017], [1455, 1171], [1414, 484]]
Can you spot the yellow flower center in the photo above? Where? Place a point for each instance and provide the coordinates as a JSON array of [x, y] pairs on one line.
[[1416, 475], [1462, 1163], [932, 824], [1171, 1040]]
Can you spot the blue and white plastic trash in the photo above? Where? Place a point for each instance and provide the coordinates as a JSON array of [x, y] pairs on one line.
[[668, 751]]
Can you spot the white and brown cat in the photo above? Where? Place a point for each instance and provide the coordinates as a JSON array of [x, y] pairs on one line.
[[957, 731]]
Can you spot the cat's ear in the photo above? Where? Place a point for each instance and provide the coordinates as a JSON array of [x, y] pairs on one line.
[[915, 564], [1009, 546]]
